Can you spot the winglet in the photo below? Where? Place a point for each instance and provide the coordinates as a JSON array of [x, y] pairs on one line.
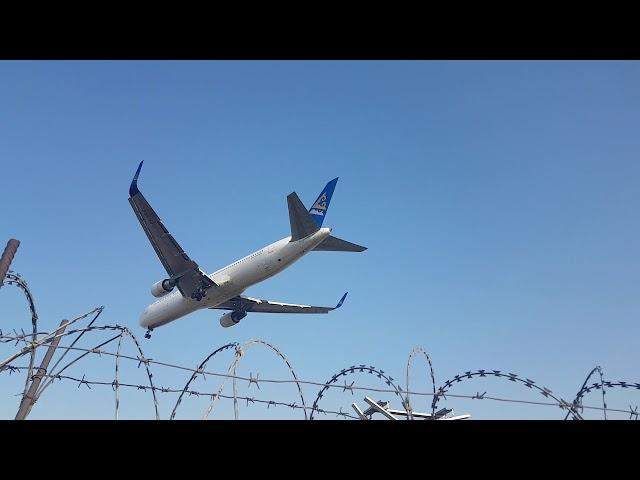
[[133, 189], [341, 300]]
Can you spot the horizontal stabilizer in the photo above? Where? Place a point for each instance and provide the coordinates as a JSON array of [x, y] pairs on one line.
[[335, 244], [301, 223]]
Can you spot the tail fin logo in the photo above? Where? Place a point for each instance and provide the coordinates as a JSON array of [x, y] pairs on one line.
[[321, 204]]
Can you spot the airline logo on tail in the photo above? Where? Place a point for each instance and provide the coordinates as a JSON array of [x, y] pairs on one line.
[[320, 206]]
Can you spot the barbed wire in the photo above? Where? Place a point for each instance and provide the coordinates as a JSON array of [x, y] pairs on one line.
[[117, 386], [239, 353], [350, 370], [200, 370], [13, 278], [46, 338], [596, 386], [36, 339], [578, 398], [415, 351], [114, 385], [353, 369], [508, 376]]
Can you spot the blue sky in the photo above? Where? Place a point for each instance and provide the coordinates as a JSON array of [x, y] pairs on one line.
[[498, 201]]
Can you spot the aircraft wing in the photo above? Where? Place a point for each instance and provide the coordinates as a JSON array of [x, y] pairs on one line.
[[248, 304], [190, 280]]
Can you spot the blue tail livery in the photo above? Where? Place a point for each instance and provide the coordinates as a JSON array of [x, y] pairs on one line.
[[319, 208]]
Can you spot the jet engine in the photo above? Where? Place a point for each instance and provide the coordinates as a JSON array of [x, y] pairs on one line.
[[162, 287], [231, 318]]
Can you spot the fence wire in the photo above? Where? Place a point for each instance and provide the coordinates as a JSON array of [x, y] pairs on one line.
[[31, 342]]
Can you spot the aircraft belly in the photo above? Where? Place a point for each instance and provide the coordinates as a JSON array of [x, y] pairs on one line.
[[276, 258], [168, 309]]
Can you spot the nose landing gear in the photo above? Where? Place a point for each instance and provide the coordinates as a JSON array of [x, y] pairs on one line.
[[148, 334]]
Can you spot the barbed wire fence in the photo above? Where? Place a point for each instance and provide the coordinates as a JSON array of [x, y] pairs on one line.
[[71, 331]]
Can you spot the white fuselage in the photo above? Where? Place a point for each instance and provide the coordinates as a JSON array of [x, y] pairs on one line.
[[233, 279]]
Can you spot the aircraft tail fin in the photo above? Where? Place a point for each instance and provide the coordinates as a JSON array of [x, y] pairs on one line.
[[335, 244], [319, 208], [301, 223]]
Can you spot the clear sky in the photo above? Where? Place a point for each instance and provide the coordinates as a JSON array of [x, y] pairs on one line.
[[498, 201]]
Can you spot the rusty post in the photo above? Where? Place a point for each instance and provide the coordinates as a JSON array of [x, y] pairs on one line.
[[7, 257], [30, 398]]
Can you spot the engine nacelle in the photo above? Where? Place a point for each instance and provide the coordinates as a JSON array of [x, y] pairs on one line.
[[162, 287], [232, 318]]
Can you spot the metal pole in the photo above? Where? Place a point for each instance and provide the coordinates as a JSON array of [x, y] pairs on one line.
[[7, 257], [30, 398]]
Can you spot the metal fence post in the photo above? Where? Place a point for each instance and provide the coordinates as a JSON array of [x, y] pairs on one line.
[[30, 398]]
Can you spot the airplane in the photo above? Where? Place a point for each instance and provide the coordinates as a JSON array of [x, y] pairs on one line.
[[187, 288]]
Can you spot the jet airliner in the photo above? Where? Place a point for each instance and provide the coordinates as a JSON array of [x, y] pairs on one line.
[[187, 288]]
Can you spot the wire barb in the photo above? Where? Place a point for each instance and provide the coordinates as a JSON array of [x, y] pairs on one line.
[[33, 341]]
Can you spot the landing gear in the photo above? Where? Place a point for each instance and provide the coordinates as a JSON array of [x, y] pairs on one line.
[[200, 292], [148, 334]]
